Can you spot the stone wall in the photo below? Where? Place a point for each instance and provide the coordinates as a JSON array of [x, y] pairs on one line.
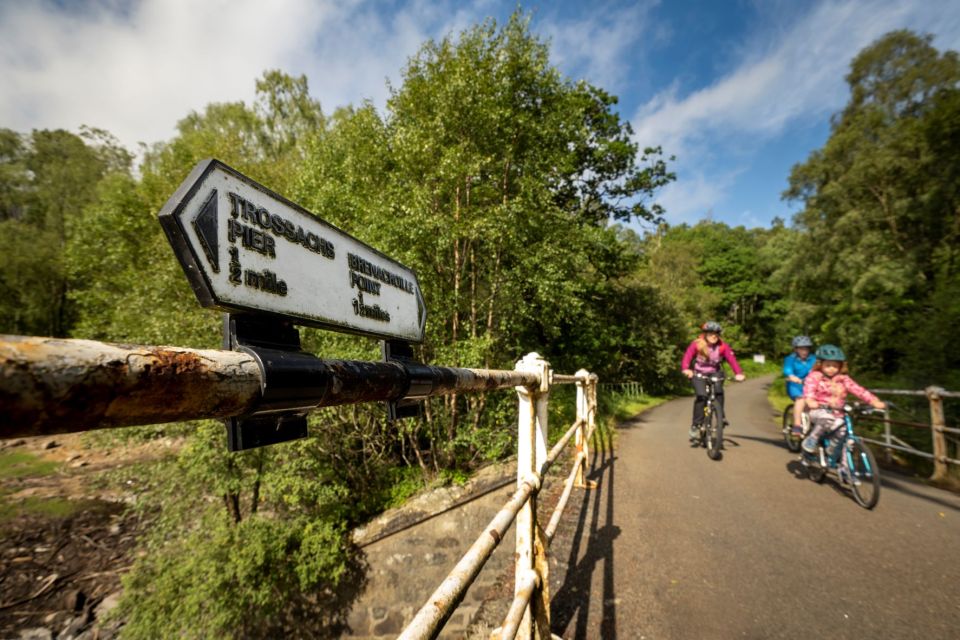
[[406, 567]]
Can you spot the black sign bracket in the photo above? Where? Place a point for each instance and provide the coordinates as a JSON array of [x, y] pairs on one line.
[[293, 381], [411, 405]]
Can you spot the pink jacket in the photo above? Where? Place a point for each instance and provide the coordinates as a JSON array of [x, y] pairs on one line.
[[832, 392], [712, 363]]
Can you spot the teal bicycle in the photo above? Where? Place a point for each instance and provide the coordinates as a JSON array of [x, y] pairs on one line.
[[852, 461]]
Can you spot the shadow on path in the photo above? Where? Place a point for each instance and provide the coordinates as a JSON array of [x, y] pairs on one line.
[[910, 487], [888, 480], [775, 442], [571, 603]]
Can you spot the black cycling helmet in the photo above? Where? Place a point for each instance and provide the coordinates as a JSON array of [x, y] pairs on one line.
[[801, 341], [831, 352], [712, 327]]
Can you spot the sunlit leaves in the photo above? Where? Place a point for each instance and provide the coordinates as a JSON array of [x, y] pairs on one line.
[[881, 209]]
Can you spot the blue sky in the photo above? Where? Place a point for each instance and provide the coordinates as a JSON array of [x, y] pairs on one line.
[[738, 90]]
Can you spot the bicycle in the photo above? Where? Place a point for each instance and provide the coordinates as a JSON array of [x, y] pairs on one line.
[[711, 428], [852, 461], [793, 442]]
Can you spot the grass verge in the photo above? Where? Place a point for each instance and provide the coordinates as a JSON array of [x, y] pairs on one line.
[[20, 464], [618, 407], [45, 507]]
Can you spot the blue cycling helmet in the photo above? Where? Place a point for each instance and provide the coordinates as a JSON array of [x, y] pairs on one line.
[[831, 352], [801, 341], [712, 327]]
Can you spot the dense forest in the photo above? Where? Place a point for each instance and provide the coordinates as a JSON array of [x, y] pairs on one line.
[[509, 189]]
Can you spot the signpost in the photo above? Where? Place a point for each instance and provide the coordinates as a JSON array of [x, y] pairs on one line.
[[271, 264], [245, 248]]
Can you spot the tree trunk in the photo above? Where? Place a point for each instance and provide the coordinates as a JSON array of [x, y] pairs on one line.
[[255, 498], [232, 502]]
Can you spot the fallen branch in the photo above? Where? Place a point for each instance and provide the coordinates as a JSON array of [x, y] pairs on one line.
[[50, 581]]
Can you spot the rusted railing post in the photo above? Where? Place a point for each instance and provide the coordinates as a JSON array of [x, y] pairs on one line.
[[531, 456], [583, 410], [887, 451], [586, 412], [937, 424], [592, 406]]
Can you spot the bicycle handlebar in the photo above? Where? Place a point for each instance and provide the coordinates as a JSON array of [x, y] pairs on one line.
[[716, 377]]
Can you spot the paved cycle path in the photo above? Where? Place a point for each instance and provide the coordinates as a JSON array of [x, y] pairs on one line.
[[673, 545]]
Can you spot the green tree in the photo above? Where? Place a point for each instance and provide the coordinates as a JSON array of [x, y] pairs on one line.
[[47, 179], [879, 221], [494, 178], [269, 551], [711, 270]]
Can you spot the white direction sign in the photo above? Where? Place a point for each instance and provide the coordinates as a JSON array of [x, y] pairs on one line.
[[246, 248]]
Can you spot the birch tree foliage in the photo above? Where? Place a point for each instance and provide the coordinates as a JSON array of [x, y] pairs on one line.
[[495, 178]]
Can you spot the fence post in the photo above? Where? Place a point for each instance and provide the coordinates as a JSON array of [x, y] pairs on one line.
[[531, 456], [937, 424], [887, 451], [583, 422], [592, 406]]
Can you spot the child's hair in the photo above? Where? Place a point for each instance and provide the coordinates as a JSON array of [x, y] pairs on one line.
[[703, 347], [818, 366]]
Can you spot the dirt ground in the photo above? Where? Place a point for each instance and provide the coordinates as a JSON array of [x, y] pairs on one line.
[[66, 537]]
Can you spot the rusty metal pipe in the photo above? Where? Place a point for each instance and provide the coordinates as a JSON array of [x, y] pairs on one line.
[[50, 386], [896, 447], [558, 448], [564, 497], [432, 616], [914, 392], [528, 582], [563, 378], [899, 423]]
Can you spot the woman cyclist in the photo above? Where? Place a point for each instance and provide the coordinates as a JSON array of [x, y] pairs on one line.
[[706, 354], [796, 366]]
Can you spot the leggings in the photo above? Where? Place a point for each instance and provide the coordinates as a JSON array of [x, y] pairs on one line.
[[825, 421], [700, 386]]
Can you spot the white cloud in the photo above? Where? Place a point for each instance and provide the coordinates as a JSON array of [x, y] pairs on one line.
[[137, 73], [135, 67], [695, 196], [796, 80], [597, 44]]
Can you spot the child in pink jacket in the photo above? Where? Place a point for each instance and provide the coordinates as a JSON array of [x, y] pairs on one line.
[[825, 390]]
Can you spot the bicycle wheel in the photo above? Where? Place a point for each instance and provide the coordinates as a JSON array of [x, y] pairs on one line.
[[792, 442], [816, 473], [715, 434], [704, 423], [865, 480]]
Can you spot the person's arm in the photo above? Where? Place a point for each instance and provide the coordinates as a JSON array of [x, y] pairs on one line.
[[728, 354], [789, 369], [852, 387], [688, 358], [809, 391], [788, 365]]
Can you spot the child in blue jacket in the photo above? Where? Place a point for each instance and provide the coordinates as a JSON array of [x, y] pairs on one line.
[[796, 366]]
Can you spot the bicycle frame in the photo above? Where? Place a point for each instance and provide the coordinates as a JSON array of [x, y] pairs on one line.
[[843, 452], [711, 381], [712, 415], [830, 462]]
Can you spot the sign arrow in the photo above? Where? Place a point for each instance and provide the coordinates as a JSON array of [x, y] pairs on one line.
[[245, 248], [205, 226]]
